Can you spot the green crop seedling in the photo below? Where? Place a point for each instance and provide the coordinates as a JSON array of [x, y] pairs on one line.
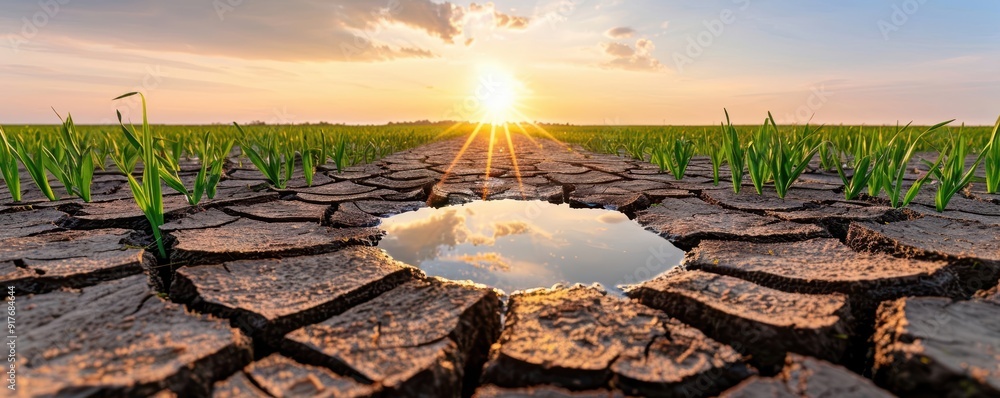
[[212, 157], [858, 181], [8, 163], [992, 160], [267, 156], [340, 154], [735, 155], [34, 160], [950, 171], [310, 156], [660, 156], [71, 160], [717, 156], [757, 154], [787, 161], [899, 152], [875, 158], [681, 153], [148, 194]]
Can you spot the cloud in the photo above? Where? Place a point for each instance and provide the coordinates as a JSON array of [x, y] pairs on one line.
[[291, 30], [618, 50], [638, 58], [510, 228], [500, 20], [510, 21], [441, 20], [612, 218], [556, 11], [490, 261], [620, 33], [505, 228], [425, 238]]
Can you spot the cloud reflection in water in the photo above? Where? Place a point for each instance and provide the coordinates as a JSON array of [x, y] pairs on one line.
[[513, 245]]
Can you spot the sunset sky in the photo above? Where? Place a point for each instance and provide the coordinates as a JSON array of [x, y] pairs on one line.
[[579, 61]]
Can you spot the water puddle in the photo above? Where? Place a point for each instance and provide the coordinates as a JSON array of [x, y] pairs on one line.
[[514, 245]]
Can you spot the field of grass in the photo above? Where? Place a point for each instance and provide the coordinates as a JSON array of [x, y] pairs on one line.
[[870, 160], [71, 154]]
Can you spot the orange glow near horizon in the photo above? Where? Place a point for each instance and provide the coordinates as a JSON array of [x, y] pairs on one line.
[[612, 63]]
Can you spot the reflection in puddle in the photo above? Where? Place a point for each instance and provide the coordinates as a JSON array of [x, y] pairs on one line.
[[513, 245]]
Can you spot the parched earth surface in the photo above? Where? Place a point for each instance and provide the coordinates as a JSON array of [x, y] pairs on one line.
[[279, 293]]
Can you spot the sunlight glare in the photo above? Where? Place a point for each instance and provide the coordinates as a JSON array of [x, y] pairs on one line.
[[497, 101], [498, 93]]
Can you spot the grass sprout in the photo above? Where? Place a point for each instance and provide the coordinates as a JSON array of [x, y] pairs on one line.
[[758, 156], [148, 193], [896, 159], [788, 161], [863, 171], [673, 157], [951, 172], [34, 160], [992, 160], [8, 164], [735, 154], [267, 156], [71, 160]]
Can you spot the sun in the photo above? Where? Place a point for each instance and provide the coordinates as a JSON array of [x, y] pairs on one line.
[[500, 103], [498, 94], [494, 109]]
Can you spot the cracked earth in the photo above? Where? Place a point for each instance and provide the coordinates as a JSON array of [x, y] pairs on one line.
[[275, 293]]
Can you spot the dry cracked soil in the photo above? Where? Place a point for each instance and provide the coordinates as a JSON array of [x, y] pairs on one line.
[[280, 293]]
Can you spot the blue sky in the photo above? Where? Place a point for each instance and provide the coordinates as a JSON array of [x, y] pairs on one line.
[[578, 61]]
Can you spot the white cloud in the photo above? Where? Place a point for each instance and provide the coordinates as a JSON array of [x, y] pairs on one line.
[[623, 32], [424, 238], [638, 58], [291, 30], [618, 50], [500, 20]]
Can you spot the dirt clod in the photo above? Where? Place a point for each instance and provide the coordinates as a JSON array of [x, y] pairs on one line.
[[580, 339], [756, 320], [120, 339], [930, 346]]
